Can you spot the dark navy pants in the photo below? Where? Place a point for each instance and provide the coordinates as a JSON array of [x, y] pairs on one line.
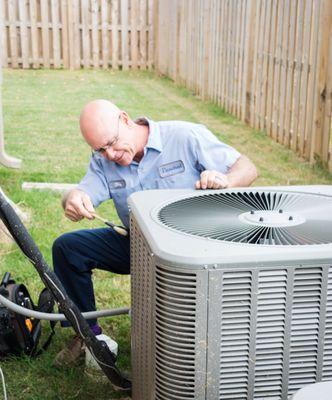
[[76, 254]]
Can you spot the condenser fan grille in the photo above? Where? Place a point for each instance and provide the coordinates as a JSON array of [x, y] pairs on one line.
[[253, 217]]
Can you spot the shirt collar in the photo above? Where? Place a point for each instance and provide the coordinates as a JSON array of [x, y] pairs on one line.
[[154, 139]]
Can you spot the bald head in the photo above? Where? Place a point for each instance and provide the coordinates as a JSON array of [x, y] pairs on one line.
[[98, 120]]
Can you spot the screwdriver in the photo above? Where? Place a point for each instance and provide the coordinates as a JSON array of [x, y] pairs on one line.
[[121, 230]]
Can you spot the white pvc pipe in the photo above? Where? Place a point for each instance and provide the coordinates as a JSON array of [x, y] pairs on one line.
[[5, 159]]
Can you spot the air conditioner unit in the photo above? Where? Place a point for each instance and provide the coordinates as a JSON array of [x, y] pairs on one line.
[[231, 292]]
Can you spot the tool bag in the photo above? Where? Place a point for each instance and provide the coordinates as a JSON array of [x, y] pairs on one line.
[[20, 334]]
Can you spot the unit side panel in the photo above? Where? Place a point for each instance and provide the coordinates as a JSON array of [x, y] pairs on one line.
[[180, 333], [327, 350], [271, 309], [142, 277], [229, 336], [305, 323], [270, 331]]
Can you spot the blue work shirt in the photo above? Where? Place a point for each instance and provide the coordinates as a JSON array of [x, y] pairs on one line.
[[174, 157]]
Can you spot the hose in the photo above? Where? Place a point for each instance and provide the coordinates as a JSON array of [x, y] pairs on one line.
[[58, 317]]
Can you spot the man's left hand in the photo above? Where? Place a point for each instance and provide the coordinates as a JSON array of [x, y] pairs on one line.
[[212, 180]]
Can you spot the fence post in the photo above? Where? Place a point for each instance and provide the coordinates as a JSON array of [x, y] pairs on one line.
[[328, 113], [320, 132], [248, 60]]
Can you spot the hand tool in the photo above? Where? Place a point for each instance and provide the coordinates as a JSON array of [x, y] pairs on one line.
[[119, 229]]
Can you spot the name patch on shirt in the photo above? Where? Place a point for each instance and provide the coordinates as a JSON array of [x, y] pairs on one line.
[[117, 184], [173, 168]]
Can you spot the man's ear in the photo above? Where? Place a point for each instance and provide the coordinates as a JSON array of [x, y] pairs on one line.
[[125, 119]]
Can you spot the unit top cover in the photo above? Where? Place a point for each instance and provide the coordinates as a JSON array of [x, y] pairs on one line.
[[266, 224]]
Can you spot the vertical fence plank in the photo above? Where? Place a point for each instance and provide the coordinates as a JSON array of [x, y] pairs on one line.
[[256, 117], [150, 36], [248, 59], [85, 14], [64, 33], [290, 74], [45, 33], [178, 43], [221, 54], [304, 74], [208, 46], [55, 33], [143, 34], [105, 33], [199, 48], [312, 76], [155, 34], [229, 56], [124, 34], [265, 68], [225, 61], [233, 56], [276, 74], [3, 36], [195, 46], [133, 33], [269, 111], [297, 76], [77, 34], [95, 33], [214, 93], [283, 72], [204, 50], [182, 45], [255, 67], [241, 55], [218, 49], [115, 41], [162, 37], [13, 33], [23, 33], [236, 56], [71, 43]]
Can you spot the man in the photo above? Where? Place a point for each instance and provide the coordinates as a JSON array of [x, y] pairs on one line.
[[129, 156]]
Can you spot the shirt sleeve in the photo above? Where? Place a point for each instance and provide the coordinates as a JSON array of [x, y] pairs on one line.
[[211, 153], [94, 183]]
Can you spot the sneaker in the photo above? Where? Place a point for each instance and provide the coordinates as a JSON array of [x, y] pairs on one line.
[[71, 355]]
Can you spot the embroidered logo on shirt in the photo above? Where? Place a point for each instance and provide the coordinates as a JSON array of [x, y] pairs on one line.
[[173, 168], [117, 184]]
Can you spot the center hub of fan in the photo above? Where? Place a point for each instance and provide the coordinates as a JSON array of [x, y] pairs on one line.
[[272, 218]]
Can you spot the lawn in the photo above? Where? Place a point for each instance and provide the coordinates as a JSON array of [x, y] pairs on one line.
[[41, 110]]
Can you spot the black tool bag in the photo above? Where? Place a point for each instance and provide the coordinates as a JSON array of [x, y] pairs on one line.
[[20, 334]]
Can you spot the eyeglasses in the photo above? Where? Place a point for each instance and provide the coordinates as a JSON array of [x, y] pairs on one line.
[[102, 150]]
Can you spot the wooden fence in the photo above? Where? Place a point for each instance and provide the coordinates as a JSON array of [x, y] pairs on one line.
[[269, 62], [77, 33]]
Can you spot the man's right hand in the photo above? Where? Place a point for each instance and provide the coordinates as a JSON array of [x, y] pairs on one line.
[[77, 205]]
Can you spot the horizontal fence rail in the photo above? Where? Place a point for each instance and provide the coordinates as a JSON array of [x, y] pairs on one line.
[[77, 33], [268, 62]]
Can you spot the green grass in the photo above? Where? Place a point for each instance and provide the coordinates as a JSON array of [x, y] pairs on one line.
[[41, 110]]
